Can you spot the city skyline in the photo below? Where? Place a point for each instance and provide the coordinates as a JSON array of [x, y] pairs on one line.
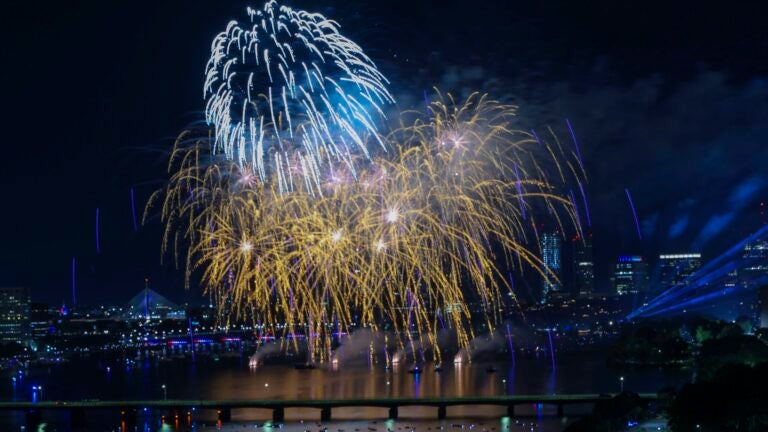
[[661, 272]]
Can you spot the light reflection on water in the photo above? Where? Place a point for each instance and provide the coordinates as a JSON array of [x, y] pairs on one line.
[[498, 424], [233, 379]]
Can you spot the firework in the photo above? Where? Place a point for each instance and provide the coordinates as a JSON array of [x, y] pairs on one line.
[[291, 99], [96, 232], [634, 214], [402, 246], [133, 211], [74, 269], [586, 205]]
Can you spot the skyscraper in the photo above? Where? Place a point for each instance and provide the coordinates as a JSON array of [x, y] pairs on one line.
[[14, 315], [550, 256], [755, 269], [675, 269], [583, 266], [753, 275], [631, 275]]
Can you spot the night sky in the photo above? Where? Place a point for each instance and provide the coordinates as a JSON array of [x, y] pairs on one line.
[[668, 100]]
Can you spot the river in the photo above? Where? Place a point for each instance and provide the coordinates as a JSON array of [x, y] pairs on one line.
[[232, 377]]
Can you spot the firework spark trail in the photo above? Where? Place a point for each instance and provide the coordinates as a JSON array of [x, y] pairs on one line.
[[74, 267], [575, 143], [98, 244], [634, 214], [288, 94], [440, 318], [133, 212], [586, 206], [576, 213], [520, 192], [536, 136]]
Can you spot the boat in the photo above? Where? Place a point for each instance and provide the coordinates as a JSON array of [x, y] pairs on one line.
[[438, 368], [416, 370], [490, 370]]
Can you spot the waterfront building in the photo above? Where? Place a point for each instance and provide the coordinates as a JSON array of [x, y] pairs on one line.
[[631, 275], [551, 251], [676, 269], [754, 272], [14, 315], [583, 266]]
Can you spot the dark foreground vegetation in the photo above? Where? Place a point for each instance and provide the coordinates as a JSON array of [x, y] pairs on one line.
[[729, 393]]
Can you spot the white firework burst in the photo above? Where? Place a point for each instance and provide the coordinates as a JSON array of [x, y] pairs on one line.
[[289, 96]]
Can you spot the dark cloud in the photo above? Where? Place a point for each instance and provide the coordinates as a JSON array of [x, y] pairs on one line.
[[692, 152]]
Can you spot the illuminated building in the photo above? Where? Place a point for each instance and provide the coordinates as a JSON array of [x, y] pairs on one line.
[[753, 275], [631, 275], [14, 315], [677, 268], [550, 256], [41, 319], [583, 266], [755, 269]]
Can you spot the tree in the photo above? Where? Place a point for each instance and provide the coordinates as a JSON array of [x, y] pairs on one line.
[[733, 399], [738, 349], [612, 414]]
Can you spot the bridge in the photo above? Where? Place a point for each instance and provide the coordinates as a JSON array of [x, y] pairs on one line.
[[130, 408]]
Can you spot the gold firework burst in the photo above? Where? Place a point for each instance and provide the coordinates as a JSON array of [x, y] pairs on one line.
[[399, 245]]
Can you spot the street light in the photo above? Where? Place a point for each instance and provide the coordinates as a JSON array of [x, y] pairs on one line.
[[621, 381], [165, 393]]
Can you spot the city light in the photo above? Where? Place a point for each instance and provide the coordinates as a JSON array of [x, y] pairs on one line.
[[38, 389], [680, 256]]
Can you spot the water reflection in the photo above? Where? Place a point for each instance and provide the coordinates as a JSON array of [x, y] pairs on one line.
[[551, 382], [510, 380], [233, 378]]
